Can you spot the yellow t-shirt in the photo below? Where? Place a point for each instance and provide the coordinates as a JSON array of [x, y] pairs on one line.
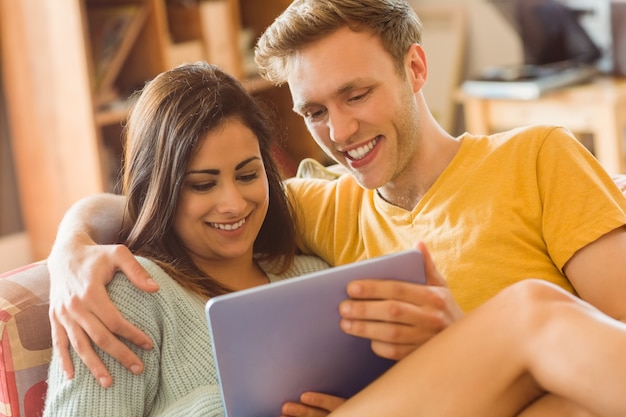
[[510, 206]]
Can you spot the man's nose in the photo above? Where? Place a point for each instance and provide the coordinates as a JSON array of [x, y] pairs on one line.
[[342, 126]]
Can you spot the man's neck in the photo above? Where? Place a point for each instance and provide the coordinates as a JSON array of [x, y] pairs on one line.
[[402, 197], [407, 190]]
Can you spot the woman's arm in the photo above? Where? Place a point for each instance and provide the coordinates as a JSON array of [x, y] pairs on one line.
[[205, 401], [129, 395], [180, 377], [83, 260]]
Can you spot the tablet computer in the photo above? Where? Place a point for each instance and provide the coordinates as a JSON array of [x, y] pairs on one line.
[[273, 342]]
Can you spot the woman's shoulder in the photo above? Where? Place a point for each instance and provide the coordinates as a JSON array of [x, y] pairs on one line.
[[309, 263], [154, 270], [128, 297]]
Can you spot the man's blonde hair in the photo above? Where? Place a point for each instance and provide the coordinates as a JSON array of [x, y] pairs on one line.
[[306, 21]]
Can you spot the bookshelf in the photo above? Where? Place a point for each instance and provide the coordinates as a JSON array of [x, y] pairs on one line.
[[69, 65]]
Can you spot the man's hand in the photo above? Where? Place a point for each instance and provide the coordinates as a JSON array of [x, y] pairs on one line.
[[80, 308], [399, 316], [312, 404]]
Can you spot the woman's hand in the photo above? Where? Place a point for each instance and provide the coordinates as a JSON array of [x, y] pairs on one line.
[[312, 404]]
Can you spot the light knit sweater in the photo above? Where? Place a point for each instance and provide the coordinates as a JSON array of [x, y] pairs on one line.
[[179, 378]]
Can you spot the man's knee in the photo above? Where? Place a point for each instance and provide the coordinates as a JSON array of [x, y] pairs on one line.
[[537, 302], [534, 291]]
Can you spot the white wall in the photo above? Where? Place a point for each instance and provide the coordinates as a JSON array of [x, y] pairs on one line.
[[490, 39], [493, 42]]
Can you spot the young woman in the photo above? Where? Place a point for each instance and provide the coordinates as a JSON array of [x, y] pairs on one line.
[[207, 215]]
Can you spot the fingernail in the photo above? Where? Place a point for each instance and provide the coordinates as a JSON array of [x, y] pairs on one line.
[[135, 369], [354, 288], [152, 283], [146, 346], [103, 381]]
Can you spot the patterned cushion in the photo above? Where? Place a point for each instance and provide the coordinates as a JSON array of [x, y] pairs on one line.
[[25, 341]]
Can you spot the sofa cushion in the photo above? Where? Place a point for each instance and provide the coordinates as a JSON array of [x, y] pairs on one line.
[[620, 180], [25, 341]]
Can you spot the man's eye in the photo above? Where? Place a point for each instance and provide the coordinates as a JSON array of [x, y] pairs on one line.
[[359, 96], [313, 114]]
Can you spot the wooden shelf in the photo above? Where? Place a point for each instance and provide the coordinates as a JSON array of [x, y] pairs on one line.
[[113, 31], [256, 84], [66, 115], [115, 113]]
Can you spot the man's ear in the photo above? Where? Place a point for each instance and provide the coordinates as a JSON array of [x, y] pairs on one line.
[[416, 66]]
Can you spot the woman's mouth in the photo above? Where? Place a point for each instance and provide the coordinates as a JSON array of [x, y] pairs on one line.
[[228, 226]]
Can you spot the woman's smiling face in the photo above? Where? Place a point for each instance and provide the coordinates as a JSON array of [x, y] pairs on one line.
[[225, 196]]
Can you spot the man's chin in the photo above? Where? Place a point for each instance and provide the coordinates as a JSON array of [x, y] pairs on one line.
[[367, 183]]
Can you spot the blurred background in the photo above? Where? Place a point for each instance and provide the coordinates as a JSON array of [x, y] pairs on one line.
[[67, 67]]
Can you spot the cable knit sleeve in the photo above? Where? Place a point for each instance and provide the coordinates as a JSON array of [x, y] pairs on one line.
[[179, 373], [179, 377], [205, 401]]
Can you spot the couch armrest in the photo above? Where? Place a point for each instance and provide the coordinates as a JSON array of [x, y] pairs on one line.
[[25, 340]]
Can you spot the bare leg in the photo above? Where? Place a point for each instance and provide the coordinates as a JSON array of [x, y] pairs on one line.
[[529, 339], [553, 406]]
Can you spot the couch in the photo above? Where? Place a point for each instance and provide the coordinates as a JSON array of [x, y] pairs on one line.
[[25, 341]]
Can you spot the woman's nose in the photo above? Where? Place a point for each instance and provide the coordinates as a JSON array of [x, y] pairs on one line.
[[231, 199]]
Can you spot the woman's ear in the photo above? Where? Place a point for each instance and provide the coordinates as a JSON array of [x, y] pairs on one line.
[[416, 66]]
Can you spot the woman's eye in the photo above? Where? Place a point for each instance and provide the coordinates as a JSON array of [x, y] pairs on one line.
[[249, 177], [205, 186]]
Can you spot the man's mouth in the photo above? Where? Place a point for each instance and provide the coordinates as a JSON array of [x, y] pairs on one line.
[[362, 151], [228, 226]]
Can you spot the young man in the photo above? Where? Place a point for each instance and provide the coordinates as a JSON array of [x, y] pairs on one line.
[[494, 210]]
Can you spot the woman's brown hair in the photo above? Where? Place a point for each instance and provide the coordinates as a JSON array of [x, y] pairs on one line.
[[169, 117]]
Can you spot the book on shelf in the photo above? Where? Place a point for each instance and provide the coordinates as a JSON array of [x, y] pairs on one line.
[[113, 30], [526, 82]]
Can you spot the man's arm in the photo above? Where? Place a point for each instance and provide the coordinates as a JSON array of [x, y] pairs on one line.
[[398, 317], [598, 275], [83, 260]]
